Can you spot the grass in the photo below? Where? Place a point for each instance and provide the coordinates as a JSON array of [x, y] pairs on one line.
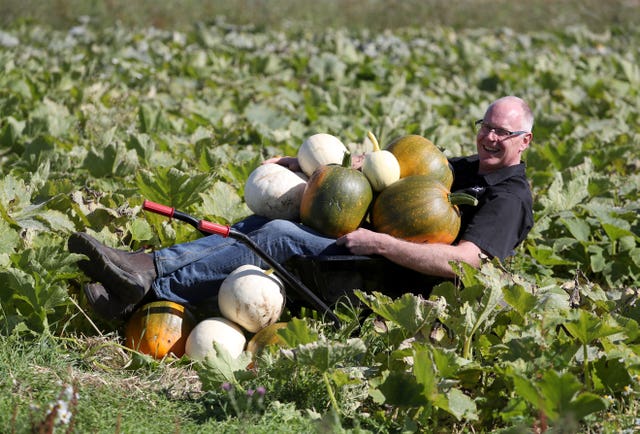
[[534, 15], [111, 397]]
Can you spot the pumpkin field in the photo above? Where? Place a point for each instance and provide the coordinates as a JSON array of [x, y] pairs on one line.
[[94, 120]]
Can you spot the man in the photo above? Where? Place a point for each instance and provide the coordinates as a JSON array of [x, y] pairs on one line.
[[192, 272]]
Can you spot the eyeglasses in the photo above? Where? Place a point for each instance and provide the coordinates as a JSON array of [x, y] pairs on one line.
[[482, 126]]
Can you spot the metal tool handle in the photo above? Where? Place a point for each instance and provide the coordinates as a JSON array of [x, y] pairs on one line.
[[208, 227]]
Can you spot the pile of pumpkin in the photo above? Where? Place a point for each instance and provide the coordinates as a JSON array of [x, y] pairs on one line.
[[403, 191], [250, 301]]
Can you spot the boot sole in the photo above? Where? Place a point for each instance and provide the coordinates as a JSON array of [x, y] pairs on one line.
[[105, 304]]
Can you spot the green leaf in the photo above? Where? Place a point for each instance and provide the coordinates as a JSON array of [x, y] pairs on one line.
[[459, 405], [565, 195], [615, 233], [9, 238], [557, 395], [326, 355], [409, 311], [580, 229], [447, 361], [526, 388], [558, 391], [12, 130], [425, 373], [613, 374], [401, 389], [51, 118], [172, 187], [223, 202], [587, 403], [478, 315], [141, 230], [297, 332], [219, 367], [56, 220], [519, 299], [587, 327]]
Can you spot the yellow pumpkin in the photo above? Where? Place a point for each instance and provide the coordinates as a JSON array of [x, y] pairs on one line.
[[159, 328], [419, 156], [265, 337]]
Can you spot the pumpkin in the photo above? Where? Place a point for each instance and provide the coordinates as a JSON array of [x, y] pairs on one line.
[[265, 337], [274, 191], [419, 209], [380, 167], [159, 328], [318, 150], [251, 297], [419, 156], [336, 199], [215, 329]]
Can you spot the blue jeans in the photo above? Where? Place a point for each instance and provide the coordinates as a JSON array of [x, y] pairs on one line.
[[193, 272]]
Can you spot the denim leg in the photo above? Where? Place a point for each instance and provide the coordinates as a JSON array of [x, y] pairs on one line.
[[192, 272], [173, 258]]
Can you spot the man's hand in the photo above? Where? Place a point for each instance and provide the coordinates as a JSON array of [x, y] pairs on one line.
[[362, 242], [290, 163]]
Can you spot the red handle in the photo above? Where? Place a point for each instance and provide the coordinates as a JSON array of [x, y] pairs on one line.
[[158, 208], [214, 228]]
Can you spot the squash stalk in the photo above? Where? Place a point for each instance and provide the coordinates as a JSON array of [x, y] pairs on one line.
[[462, 199], [346, 159], [374, 141]]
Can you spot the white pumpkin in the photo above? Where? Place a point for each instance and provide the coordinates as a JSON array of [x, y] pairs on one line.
[[380, 167], [274, 191], [320, 149], [227, 334], [251, 297]]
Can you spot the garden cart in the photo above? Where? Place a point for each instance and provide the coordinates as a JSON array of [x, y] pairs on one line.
[[318, 281]]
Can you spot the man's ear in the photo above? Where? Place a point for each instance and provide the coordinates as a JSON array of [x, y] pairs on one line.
[[525, 141]]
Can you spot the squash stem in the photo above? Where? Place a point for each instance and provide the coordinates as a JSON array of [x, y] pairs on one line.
[[462, 199], [332, 396], [346, 159], [374, 140]]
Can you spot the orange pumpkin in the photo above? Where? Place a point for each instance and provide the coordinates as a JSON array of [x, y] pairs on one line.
[[159, 328], [419, 156], [419, 209]]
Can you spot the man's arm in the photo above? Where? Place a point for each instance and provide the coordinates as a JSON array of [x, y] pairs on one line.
[[431, 259]]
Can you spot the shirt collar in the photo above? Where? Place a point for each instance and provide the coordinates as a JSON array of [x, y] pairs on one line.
[[501, 174]]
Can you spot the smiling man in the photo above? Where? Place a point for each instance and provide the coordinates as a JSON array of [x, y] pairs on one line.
[[496, 176], [191, 273]]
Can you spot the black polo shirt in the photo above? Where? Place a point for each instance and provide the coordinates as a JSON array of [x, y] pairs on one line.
[[504, 214]]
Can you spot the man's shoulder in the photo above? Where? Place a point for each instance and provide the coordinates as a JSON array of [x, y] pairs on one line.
[[464, 162]]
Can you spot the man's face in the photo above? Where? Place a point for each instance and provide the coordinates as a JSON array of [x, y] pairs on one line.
[[501, 139]]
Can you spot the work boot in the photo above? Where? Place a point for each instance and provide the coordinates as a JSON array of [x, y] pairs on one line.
[[127, 275], [106, 305]]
